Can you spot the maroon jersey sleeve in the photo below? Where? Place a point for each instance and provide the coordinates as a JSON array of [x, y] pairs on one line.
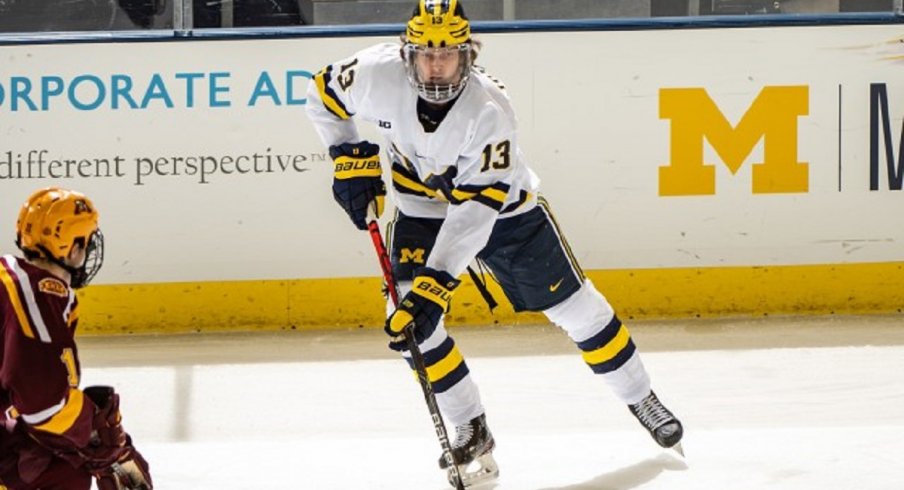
[[39, 372]]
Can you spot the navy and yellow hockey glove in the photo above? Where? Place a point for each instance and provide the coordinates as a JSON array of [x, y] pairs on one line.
[[358, 180], [424, 305]]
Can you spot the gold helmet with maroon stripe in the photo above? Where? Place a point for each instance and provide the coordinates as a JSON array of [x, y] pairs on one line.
[[54, 220], [438, 28]]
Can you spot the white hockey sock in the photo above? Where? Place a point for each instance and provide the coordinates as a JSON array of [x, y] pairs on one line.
[[460, 403]]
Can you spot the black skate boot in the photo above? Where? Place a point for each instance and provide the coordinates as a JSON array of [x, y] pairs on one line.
[[662, 424], [473, 446]]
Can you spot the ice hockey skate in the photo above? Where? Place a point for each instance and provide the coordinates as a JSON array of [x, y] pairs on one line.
[[472, 450], [662, 424]]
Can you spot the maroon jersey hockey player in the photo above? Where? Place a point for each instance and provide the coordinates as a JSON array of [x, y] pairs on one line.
[[53, 434]]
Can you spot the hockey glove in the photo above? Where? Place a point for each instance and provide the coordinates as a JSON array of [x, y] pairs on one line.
[[114, 461], [131, 473], [424, 305], [358, 180]]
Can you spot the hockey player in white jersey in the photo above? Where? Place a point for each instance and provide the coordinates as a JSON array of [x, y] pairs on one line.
[[463, 191]]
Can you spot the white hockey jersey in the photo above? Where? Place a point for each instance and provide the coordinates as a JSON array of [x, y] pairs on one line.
[[469, 171]]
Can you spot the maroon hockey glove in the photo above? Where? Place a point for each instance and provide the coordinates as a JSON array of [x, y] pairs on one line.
[[113, 460], [131, 473], [107, 431]]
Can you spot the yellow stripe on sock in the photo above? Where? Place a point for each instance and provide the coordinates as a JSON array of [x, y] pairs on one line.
[[439, 370], [610, 350]]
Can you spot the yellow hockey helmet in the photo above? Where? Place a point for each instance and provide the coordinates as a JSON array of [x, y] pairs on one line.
[[438, 23], [52, 221]]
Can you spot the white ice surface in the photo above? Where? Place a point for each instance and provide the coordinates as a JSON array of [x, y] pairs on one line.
[[789, 418]]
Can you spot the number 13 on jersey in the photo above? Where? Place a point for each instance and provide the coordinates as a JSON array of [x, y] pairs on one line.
[[496, 157]]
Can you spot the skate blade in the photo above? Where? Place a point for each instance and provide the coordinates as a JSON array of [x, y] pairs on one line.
[[478, 472]]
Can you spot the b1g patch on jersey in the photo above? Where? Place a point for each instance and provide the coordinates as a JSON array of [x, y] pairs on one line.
[[53, 286]]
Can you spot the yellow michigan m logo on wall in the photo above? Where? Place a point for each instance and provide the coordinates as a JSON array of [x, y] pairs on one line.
[[773, 117]]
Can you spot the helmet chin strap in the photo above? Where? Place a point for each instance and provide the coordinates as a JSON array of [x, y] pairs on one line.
[[77, 276]]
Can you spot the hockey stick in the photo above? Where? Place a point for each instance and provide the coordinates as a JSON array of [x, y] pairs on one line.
[[416, 355]]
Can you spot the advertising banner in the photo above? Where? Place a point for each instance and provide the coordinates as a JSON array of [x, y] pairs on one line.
[[665, 149]]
